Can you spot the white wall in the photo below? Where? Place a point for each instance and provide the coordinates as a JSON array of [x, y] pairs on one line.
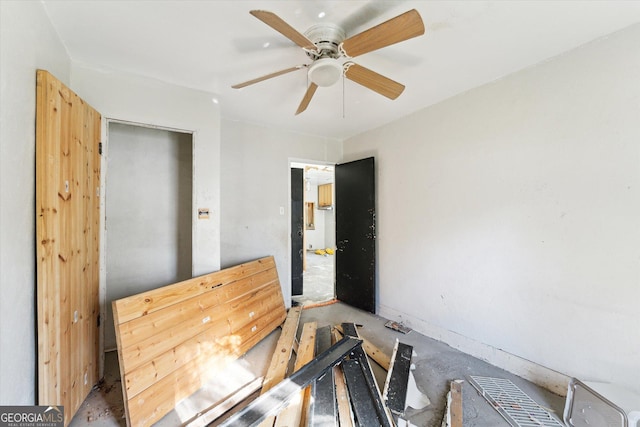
[[509, 216], [27, 42], [141, 100], [255, 183], [148, 211]]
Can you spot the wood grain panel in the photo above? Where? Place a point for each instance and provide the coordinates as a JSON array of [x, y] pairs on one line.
[[67, 250], [176, 337], [156, 299]]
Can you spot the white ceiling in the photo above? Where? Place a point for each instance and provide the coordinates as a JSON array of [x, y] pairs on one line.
[[210, 45]]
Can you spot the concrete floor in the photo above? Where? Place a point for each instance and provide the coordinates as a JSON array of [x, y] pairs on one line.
[[436, 364]]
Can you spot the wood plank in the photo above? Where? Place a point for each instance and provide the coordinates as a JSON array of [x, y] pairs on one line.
[[178, 342], [47, 231], [294, 414], [455, 408], [278, 368], [163, 364], [156, 299], [143, 327], [342, 398], [215, 318], [274, 400], [345, 418], [280, 361], [154, 402], [66, 287]]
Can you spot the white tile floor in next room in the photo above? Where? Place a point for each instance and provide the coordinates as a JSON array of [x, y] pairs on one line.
[[318, 279]]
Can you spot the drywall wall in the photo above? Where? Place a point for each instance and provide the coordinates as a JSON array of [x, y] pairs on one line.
[[27, 42], [255, 183], [508, 216], [148, 212], [142, 100]]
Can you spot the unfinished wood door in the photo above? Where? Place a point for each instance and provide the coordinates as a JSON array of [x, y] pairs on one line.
[[356, 234], [67, 233]]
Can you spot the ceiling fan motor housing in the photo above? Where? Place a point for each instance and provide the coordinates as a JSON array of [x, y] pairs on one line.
[[327, 38]]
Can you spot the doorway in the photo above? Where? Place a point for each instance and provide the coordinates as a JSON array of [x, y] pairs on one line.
[[318, 236], [148, 206]]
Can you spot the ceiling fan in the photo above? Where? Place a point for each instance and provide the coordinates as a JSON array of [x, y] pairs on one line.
[[326, 44]]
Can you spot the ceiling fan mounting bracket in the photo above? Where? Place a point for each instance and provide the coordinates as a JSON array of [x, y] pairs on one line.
[[327, 38]]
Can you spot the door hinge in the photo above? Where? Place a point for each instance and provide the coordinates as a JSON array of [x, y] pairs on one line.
[[100, 148], [98, 320]]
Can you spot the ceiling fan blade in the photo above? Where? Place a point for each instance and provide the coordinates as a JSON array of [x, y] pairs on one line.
[[395, 30], [307, 98], [374, 81], [268, 76], [278, 24]]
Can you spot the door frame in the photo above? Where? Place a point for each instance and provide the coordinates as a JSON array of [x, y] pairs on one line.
[[106, 121], [290, 163]]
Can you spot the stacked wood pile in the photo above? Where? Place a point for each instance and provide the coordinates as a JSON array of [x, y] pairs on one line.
[[331, 382], [173, 340]]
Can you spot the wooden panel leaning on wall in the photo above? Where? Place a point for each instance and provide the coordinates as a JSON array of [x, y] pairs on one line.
[[173, 339], [67, 244]]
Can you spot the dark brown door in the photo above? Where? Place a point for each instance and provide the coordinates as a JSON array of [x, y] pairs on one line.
[[297, 229], [356, 234]]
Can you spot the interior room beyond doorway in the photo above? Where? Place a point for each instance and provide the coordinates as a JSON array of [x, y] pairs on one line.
[[319, 234]]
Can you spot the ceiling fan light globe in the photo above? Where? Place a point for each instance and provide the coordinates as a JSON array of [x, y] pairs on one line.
[[325, 72]]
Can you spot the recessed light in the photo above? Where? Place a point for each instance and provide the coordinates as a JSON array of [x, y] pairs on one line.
[[215, 100], [266, 45], [322, 15]]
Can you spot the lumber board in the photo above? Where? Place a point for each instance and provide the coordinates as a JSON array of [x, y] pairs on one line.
[[345, 417], [220, 319], [455, 408], [154, 402], [294, 414], [170, 359], [173, 340], [143, 327], [278, 396], [278, 368], [156, 299], [280, 361], [67, 250]]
